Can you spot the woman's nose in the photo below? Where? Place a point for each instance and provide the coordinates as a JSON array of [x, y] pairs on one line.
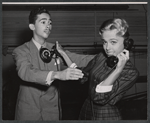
[[107, 46]]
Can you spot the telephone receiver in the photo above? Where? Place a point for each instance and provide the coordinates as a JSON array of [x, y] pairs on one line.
[[113, 60], [46, 55]]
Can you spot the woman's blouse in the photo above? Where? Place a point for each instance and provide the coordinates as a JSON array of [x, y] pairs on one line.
[[98, 71]]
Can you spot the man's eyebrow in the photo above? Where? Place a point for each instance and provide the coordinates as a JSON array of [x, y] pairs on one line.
[[44, 19]]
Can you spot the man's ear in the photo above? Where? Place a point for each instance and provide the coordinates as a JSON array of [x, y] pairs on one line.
[[31, 26]]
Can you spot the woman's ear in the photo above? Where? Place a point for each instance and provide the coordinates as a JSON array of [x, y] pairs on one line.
[[31, 26]]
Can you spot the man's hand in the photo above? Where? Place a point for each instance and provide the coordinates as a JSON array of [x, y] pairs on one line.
[[68, 74]]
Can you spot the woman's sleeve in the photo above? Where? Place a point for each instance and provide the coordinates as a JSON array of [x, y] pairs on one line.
[[26, 70], [86, 70], [80, 59], [126, 80]]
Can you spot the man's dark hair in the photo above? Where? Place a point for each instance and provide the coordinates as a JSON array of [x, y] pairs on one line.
[[35, 12]]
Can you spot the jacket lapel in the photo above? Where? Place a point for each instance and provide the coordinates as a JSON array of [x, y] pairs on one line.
[[36, 60]]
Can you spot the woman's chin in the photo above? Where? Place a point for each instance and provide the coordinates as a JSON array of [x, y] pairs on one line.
[[110, 55]]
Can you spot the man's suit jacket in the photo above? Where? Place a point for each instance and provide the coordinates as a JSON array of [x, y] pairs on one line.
[[35, 99]]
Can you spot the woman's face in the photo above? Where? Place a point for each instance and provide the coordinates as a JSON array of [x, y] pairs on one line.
[[113, 44]]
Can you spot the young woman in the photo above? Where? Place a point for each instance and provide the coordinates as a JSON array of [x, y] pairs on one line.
[[109, 79]]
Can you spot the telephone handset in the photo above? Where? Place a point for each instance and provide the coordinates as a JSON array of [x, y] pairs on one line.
[[113, 60], [46, 55]]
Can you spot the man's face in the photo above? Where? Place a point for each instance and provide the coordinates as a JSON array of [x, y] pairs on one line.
[[42, 26], [112, 43]]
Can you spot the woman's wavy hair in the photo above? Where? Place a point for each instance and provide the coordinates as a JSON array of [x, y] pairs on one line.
[[35, 12], [117, 23]]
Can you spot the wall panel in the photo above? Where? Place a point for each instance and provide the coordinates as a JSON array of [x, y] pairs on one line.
[[74, 27]]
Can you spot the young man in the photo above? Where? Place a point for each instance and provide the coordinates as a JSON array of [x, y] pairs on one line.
[[38, 97]]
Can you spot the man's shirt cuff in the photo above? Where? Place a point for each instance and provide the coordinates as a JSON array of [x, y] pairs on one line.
[[103, 89], [48, 79], [73, 65]]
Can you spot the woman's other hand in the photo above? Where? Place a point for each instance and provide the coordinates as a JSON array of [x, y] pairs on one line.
[[123, 58]]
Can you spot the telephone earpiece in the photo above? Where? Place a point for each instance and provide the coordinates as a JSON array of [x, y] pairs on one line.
[[46, 55], [113, 60], [128, 43]]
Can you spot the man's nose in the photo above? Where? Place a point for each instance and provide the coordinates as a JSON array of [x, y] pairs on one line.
[[49, 26]]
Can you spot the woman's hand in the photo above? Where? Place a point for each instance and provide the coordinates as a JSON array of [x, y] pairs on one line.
[[63, 54], [59, 48], [123, 58]]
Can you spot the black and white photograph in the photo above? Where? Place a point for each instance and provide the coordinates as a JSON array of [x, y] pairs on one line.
[[80, 61]]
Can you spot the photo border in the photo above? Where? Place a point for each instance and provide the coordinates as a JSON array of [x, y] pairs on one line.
[[84, 1]]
